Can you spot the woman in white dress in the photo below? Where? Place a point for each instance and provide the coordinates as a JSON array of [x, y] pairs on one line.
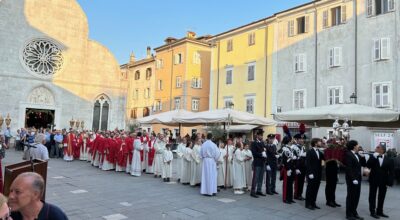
[[221, 165], [187, 164], [239, 179], [196, 164], [248, 160]]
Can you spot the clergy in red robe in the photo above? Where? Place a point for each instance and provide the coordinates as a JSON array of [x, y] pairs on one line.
[[121, 154], [69, 146]]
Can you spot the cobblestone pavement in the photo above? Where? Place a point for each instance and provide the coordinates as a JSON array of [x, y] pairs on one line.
[[85, 192]]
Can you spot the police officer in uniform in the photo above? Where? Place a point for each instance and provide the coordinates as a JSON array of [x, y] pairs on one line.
[[300, 152], [271, 166]]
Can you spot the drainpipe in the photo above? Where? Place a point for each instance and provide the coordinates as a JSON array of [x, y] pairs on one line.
[[316, 57], [172, 73], [266, 71], [218, 54], [355, 49]]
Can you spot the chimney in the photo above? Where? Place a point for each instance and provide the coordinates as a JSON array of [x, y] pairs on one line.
[[191, 35], [170, 40], [148, 54], [132, 58]]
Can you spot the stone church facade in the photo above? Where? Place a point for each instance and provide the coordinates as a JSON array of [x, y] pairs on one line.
[[51, 72]]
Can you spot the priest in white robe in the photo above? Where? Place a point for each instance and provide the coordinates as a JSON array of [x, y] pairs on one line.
[[248, 160], [239, 179], [229, 164], [196, 164], [210, 154], [136, 167], [167, 169], [180, 150], [159, 147], [221, 165], [187, 161]]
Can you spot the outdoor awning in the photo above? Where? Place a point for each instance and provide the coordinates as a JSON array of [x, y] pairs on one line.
[[165, 117], [224, 116], [239, 128], [359, 115]]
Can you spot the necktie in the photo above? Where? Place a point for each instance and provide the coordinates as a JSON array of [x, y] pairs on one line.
[[380, 156]]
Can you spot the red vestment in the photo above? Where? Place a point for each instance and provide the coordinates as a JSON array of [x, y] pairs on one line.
[[151, 153], [129, 148], [122, 153], [70, 141]]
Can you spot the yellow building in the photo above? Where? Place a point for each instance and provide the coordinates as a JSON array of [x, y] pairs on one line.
[[183, 74], [141, 77], [241, 70]]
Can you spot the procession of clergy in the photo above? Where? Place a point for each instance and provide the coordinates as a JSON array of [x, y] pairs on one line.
[[241, 165]]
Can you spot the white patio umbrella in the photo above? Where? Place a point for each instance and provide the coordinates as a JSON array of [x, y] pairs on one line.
[[165, 117], [224, 116], [359, 115]]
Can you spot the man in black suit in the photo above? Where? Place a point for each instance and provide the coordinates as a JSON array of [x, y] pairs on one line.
[[314, 172], [353, 161], [259, 155], [381, 176], [300, 176], [272, 165]]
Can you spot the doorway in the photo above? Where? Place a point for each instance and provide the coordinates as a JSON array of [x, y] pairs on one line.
[[39, 118]]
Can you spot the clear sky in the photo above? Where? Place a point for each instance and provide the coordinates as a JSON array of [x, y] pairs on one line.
[[124, 26]]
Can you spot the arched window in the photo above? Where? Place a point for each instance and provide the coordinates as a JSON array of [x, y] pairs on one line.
[[101, 111], [148, 73], [146, 112], [137, 75]]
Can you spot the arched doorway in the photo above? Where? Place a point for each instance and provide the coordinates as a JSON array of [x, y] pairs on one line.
[[40, 110]]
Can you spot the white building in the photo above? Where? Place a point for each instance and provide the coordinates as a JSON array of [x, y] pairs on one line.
[[329, 49]]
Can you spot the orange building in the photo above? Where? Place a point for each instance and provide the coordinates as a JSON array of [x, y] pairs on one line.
[[183, 74]]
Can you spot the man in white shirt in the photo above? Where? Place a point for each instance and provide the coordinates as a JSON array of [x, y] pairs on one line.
[[38, 150]]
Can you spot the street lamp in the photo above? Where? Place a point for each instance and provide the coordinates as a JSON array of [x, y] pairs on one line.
[[353, 98]]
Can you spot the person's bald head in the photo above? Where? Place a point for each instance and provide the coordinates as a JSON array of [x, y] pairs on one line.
[[34, 180]]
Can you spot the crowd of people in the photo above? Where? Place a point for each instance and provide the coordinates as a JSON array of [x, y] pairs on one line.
[[235, 163]]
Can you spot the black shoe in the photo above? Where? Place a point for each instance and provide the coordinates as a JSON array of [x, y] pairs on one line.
[[358, 217], [253, 195], [316, 207], [260, 194], [331, 204], [299, 198], [287, 202], [381, 214], [310, 207], [373, 215], [275, 192], [270, 193], [337, 205]]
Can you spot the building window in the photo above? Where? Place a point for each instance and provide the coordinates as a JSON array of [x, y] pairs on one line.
[[252, 38], [146, 112], [335, 95], [229, 77], [229, 45], [177, 102], [228, 103], [377, 7], [250, 105], [382, 49], [291, 28], [196, 83], [178, 82], [338, 15], [382, 94], [300, 63], [147, 93], [335, 57], [302, 24], [195, 104], [148, 73], [178, 58], [137, 75], [158, 106], [100, 113], [136, 94], [325, 19], [299, 99], [159, 63], [251, 72], [196, 58], [133, 113], [160, 85]]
